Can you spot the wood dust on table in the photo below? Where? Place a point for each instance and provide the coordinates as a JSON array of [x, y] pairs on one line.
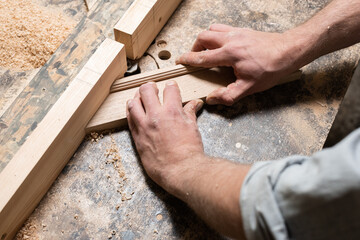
[[114, 158], [30, 33]]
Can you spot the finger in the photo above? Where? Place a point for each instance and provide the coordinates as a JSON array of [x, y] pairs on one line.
[[208, 59], [230, 94], [208, 40], [135, 112], [149, 96], [192, 107], [221, 28], [131, 124], [172, 95]]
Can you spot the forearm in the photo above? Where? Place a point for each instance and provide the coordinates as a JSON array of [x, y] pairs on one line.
[[211, 187], [335, 27]]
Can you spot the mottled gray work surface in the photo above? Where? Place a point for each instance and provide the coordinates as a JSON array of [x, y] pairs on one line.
[[85, 202]]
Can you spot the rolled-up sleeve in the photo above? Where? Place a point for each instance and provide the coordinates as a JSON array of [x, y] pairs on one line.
[[301, 197]]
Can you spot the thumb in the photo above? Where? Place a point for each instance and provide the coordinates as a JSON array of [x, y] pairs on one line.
[[230, 94], [192, 107]]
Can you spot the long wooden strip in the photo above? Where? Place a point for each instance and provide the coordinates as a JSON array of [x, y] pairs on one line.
[[141, 24], [155, 76], [38, 162], [199, 84]]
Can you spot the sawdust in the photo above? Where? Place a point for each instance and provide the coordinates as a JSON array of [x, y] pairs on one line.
[[112, 153], [113, 157], [95, 137], [30, 33], [28, 231]]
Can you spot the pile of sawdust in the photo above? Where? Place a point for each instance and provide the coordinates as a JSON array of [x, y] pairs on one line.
[[94, 137], [30, 33], [28, 231], [113, 156]]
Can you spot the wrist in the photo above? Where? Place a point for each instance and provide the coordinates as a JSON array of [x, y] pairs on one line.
[[300, 47], [176, 177]]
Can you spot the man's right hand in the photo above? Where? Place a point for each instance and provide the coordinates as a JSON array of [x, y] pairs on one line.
[[259, 59]]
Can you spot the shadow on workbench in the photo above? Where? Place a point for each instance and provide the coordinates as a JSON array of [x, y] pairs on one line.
[[185, 222], [348, 117]]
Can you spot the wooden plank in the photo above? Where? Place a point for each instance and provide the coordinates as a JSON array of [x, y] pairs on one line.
[[28, 176], [141, 24], [34, 102], [193, 82]]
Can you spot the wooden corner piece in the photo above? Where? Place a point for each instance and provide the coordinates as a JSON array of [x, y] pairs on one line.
[[141, 23], [30, 173]]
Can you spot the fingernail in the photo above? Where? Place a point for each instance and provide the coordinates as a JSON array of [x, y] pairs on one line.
[[130, 103], [170, 83], [199, 105], [181, 60], [212, 100]]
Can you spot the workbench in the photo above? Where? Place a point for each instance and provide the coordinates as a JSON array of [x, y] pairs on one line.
[[91, 199]]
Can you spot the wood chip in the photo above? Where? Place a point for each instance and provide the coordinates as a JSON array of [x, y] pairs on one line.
[[28, 231]]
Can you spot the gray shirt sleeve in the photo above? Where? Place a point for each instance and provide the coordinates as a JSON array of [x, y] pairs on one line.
[[300, 197]]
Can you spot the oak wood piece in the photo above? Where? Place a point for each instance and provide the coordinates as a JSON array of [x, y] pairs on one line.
[[141, 24], [194, 82], [30, 173]]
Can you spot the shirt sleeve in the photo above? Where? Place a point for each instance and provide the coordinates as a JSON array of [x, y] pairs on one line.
[[301, 197]]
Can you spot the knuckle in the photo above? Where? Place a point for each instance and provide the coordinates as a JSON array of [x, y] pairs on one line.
[[229, 49], [172, 111], [141, 123], [192, 107], [153, 120], [202, 58], [212, 27], [153, 123], [202, 36], [144, 88], [147, 87], [228, 100]]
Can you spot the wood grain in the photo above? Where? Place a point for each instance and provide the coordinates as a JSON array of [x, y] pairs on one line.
[[193, 83], [25, 180], [141, 24]]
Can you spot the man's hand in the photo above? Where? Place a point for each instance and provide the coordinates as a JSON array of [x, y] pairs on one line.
[[259, 59], [166, 135], [170, 147]]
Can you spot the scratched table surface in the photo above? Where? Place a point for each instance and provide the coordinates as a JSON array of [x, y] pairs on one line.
[[103, 191]]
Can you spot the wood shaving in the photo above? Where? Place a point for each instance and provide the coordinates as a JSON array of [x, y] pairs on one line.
[[112, 153], [28, 231], [30, 33], [95, 137], [113, 157]]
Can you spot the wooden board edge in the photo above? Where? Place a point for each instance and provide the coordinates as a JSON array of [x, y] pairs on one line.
[[30, 173], [146, 28]]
